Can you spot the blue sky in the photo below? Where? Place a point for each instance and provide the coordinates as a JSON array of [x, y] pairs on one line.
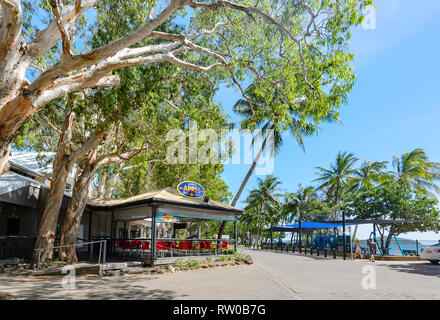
[[393, 108]]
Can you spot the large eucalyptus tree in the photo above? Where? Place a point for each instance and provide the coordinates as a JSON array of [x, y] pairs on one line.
[[297, 46]]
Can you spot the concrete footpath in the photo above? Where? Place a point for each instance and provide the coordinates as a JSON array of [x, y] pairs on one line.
[[232, 282]]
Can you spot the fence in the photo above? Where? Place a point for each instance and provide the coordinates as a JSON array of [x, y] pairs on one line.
[[90, 244], [171, 247]]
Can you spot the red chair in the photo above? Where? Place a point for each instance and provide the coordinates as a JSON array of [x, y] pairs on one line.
[[224, 245], [145, 245]]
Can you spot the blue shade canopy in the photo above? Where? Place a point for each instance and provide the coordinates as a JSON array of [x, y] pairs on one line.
[[307, 225]]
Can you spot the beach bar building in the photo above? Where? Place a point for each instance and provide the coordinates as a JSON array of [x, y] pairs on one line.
[[145, 226]]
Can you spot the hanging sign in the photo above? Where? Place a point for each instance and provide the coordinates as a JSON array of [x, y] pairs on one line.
[[167, 218], [190, 189]]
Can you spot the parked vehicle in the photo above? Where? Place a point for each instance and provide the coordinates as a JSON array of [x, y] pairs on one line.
[[431, 253]]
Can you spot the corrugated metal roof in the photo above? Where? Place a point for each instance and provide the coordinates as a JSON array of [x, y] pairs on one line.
[[11, 181]]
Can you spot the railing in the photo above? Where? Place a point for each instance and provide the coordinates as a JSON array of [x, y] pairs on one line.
[[171, 247], [102, 250]]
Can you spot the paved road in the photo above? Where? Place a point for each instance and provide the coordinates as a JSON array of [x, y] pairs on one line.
[[312, 277], [274, 275]]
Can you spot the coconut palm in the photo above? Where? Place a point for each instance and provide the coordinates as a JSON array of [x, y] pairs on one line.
[[414, 169], [369, 173], [264, 202], [270, 132], [337, 178]]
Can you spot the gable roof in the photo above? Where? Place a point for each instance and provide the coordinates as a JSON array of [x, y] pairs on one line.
[[167, 196]]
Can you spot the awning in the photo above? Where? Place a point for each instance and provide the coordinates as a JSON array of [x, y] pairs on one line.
[[335, 224], [307, 225]]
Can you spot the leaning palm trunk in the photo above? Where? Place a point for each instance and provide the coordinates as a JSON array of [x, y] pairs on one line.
[[246, 179], [260, 234]]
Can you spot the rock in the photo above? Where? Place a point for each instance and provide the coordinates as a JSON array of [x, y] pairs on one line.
[[161, 271], [11, 261], [136, 270], [171, 268], [237, 262], [5, 295], [204, 266], [248, 260], [114, 273]]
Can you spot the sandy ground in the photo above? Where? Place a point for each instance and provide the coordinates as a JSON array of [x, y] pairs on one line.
[[274, 275]]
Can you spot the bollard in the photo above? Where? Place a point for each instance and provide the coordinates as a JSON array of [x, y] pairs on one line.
[[311, 251], [305, 250], [325, 253], [276, 248], [293, 249], [281, 249], [317, 252], [334, 254]]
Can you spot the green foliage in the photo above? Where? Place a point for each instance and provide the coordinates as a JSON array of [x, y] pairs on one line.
[[395, 202], [240, 256], [187, 264], [224, 258]]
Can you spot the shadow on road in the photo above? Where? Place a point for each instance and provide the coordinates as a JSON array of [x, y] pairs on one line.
[[297, 254], [426, 269], [127, 288]]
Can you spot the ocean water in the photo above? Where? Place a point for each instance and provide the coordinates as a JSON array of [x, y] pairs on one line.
[[404, 246], [394, 248]]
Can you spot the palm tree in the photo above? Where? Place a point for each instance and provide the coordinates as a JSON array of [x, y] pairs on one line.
[[414, 169], [270, 133], [369, 173], [265, 202], [302, 204], [337, 178]]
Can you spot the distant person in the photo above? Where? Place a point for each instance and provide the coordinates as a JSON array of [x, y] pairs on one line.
[[358, 250], [372, 246]]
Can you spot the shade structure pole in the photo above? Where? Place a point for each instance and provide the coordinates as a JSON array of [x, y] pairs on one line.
[[235, 236], [153, 236], [343, 236], [299, 235], [271, 238]]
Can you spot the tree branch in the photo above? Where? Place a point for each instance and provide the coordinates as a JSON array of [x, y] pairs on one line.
[[49, 124], [46, 38], [81, 61], [10, 32], [65, 37]]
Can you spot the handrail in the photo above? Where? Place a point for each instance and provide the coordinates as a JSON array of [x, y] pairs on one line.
[[69, 245], [74, 245]]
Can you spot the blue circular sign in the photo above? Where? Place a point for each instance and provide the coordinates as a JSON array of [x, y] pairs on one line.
[[190, 189]]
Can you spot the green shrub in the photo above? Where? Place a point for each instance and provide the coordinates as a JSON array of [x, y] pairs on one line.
[[194, 264], [240, 256]]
